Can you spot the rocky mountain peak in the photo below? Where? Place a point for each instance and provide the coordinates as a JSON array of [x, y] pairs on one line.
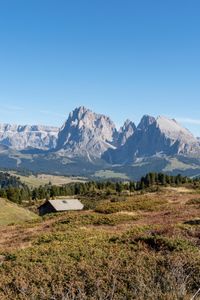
[[145, 122], [161, 136], [125, 132], [173, 130], [128, 123], [78, 112], [86, 133], [90, 135]]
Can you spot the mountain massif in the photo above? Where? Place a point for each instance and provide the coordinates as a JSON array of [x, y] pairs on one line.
[[25, 137], [89, 143]]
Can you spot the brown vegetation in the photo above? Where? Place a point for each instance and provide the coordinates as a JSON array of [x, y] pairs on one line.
[[145, 248]]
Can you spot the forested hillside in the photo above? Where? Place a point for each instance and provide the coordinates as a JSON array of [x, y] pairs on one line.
[[13, 189]]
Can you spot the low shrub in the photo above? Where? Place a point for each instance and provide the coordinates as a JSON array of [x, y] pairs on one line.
[[159, 243], [195, 201], [193, 222], [141, 238], [132, 204], [95, 219]]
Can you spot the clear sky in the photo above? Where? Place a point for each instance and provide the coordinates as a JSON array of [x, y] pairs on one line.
[[123, 58]]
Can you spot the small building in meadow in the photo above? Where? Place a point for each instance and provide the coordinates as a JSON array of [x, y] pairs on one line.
[[60, 205]]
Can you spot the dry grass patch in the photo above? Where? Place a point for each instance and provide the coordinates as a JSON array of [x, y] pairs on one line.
[[138, 248], [131, 204], [12, 213]]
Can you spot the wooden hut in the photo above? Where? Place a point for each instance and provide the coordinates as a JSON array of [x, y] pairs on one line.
[[60, 205]]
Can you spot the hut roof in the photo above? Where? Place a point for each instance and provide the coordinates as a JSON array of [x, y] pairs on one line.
[[66, 204]]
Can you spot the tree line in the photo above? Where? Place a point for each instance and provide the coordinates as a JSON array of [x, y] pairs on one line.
[[13, 189]]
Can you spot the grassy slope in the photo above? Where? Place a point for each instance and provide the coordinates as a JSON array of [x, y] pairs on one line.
[[42, 179], [107, 174], [12, 213], [175, 164], [140, 249]]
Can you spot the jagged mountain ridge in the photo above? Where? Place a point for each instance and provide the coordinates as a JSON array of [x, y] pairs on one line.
[[84, 134], [125, 132], [161, 136], [88, 135], [21, 137]]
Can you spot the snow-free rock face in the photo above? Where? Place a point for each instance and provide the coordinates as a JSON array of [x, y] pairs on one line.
[[178, 138], [86, 134], [145, 122], [125, 132], [90, 136], [25, 137], [173, 130], [155, 137]]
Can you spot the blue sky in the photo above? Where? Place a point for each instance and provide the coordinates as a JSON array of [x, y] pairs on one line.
[[123, 58]]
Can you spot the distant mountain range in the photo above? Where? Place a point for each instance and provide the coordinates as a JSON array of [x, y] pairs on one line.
[[90, 144]]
